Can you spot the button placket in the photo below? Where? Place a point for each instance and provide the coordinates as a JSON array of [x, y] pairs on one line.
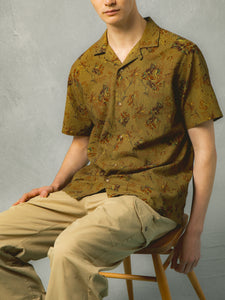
[[119, 74], [119, 78]]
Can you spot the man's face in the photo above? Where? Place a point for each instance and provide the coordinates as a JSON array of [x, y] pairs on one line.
[[115, 12]]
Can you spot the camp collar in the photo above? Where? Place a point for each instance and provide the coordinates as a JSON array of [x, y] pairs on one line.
[[150, 38]]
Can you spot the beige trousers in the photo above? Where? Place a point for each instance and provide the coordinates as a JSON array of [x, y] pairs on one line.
[[81, 238]]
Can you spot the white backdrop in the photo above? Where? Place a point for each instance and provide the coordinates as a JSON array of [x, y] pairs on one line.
[[39, 41]]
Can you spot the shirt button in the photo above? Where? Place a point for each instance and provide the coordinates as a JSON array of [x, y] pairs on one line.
[[107, 180]]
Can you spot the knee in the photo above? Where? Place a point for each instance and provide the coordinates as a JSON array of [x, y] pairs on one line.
[[7, 228], [67, 249], [6, 237]]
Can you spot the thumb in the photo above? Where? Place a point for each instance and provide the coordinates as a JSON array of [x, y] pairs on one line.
[[174, 259]]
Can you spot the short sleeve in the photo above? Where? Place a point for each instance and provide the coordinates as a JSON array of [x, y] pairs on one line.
[[199, 103], [76, 118]]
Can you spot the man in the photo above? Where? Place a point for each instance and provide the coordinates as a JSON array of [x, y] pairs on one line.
[[140, 106]]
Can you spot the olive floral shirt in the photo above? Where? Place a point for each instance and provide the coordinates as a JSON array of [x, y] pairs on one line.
[[137, 114]]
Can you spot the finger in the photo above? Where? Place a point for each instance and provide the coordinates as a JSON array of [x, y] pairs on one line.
[[44, 194], [196, 262], [33, 193], [188, 268], [21, 200], [16, 203], [174, 260], [180, 267], [192, 266], [174, 263], [26, 197]]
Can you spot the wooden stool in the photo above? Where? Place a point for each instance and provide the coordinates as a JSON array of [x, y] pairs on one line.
[[164, 245]]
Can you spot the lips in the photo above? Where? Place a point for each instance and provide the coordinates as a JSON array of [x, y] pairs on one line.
[[111, 12]]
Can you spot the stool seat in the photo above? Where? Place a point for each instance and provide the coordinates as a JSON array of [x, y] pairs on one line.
[[164, 245]]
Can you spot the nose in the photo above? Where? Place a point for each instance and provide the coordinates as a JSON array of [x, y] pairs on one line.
[[109, 2]]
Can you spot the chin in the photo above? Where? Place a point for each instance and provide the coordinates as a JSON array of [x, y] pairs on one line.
[[113, 20]]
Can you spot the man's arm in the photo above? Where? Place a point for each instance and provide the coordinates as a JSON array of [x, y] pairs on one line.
[[188, 248], [75, 159]]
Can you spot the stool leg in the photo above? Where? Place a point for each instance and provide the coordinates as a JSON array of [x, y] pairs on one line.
[[161, 277], [194, 281], [127, 269]]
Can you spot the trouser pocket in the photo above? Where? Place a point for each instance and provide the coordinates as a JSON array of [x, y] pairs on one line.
[[153, 224]]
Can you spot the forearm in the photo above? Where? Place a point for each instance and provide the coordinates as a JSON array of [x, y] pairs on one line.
[[203, 178], [75, 159], [188, 248]]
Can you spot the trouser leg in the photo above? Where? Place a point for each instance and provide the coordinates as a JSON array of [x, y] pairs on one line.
[[100, 241], [26, 233]]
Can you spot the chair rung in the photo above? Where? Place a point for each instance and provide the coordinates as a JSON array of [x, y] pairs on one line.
[[128, 276]]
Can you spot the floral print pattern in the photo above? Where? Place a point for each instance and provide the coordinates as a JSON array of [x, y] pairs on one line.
[[137, 114]]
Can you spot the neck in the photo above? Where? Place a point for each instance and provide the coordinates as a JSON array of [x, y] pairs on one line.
[[124, 36]]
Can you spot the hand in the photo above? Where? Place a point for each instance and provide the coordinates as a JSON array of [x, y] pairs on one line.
[[187, 252], [42, 192]]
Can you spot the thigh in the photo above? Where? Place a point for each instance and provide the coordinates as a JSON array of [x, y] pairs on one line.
[[30, 228], [105, 236]]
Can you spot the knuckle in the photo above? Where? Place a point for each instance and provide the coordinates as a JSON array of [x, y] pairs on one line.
[[192, 260]]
